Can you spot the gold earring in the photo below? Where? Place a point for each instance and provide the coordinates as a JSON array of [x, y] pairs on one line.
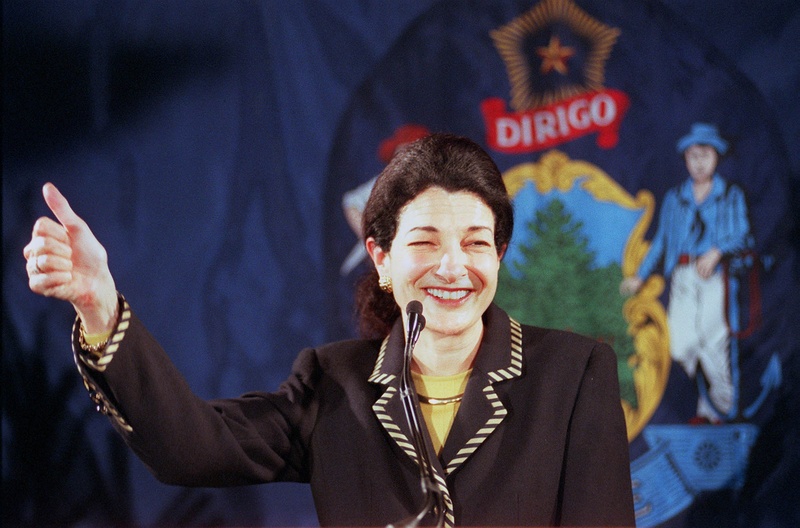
[[385, 283]]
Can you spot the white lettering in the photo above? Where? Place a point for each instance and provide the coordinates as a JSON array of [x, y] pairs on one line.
[[544, 124], [557, 122], [508, 132], [563, 128], [578, 114], [527, 132], [603, 110]]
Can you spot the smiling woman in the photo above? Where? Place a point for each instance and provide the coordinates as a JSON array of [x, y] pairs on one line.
[[452, 203], [527, 419]]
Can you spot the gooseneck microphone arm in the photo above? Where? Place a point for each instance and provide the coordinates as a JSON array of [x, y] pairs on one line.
[[434, 501]]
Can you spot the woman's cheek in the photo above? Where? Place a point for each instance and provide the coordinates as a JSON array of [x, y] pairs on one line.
[[421, 261], [414, 268]]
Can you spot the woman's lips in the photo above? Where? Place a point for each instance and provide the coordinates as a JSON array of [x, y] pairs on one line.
[[447, 295]]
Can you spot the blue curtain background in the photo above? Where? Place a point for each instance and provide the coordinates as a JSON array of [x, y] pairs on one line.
[[208, 144]]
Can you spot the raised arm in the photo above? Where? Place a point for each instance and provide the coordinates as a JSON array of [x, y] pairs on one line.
[[182, 439]]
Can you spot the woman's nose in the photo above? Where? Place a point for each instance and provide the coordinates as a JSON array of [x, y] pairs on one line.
[[452, 265]]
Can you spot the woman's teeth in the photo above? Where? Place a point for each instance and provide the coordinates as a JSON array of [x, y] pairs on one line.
[[448, 295]]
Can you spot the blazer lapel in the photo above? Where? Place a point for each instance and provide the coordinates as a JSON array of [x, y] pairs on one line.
[[389, 407], [481, 412], [390, 412]]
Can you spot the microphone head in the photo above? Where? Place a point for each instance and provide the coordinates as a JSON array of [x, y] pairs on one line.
[[414, 307]]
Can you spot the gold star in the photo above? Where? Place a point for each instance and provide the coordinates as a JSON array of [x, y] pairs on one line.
[[554, 56]]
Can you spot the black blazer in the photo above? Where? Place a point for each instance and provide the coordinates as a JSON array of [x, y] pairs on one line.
[[539, 439]]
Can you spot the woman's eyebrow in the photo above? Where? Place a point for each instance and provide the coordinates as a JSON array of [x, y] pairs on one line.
[[432, 229]]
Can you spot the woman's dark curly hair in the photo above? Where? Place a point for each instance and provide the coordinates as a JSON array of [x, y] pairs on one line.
[[440, 160]]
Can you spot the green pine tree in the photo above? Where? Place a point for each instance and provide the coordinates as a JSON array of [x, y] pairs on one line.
[[556, 285]]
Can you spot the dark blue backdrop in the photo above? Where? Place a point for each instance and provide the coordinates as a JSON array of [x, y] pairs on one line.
[[203, 142]]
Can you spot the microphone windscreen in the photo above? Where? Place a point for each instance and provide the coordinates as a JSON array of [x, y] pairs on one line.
[[414, 307]]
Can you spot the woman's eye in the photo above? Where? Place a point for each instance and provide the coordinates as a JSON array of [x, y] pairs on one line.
[[480, 243]]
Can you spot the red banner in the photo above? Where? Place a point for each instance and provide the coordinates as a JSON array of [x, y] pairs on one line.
[[547, 126]]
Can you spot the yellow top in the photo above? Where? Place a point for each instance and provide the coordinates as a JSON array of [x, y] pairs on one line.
[[439, 417]]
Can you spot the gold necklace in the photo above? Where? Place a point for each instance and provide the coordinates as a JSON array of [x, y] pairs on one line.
[[439, 401]]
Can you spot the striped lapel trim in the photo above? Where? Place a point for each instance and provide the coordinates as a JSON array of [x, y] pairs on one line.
[[396, 433], [498, 415], [400, 438], [515, 369], [449, 514], [379, 408], [377, 376], [499, 410]]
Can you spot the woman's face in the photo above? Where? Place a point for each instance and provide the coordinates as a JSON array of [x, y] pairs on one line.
[[444, 256]]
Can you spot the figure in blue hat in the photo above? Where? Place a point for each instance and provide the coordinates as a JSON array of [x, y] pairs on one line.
[[701, 221]]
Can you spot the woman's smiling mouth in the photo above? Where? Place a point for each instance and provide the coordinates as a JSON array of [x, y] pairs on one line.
[[447, 295]]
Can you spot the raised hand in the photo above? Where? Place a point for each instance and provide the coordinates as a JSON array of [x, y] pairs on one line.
[[66, 261]]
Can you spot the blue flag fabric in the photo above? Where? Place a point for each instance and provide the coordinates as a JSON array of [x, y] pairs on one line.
[[216, 150]]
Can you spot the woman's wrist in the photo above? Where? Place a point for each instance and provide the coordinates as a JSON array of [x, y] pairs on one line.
[[99, 316], [97, 350]]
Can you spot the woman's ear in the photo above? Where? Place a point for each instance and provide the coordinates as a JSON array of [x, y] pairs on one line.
[[379, 257], [502, 251]]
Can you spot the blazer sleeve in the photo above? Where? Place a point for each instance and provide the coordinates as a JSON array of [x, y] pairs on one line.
[[597, 482], [185, 440]]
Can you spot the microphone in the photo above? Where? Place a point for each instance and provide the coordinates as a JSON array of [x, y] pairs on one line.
[[434, 500], [416, 322]]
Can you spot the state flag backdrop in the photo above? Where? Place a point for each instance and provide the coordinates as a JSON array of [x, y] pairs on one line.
[[221, 152]]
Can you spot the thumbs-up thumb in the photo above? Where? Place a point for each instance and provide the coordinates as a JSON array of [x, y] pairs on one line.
[[61, 208]]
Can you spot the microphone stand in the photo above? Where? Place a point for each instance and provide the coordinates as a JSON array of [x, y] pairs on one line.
[[434, 501]]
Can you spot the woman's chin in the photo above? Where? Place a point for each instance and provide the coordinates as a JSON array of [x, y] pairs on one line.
[[450, 324]]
